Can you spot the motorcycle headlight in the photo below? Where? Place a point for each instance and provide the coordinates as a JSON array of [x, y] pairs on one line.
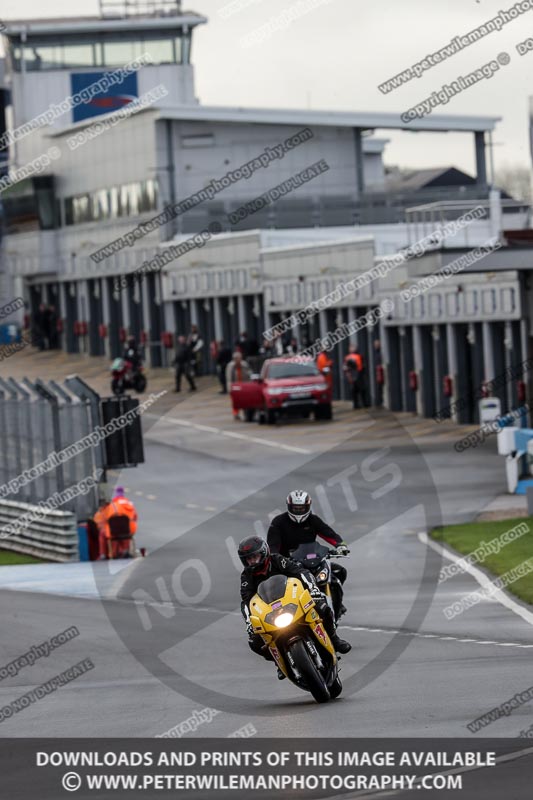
[[284, 620], [322, 576]]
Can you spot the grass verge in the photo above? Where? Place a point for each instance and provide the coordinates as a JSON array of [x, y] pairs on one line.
[[8, 558], [470, 536]]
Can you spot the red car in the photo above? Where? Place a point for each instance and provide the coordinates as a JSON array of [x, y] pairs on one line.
[[285, 387]]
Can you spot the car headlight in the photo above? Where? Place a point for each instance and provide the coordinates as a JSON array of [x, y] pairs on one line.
[[284, 620], [322, 576], [276, 391]]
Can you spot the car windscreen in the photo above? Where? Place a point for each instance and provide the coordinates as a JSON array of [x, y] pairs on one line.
[[291, 370]]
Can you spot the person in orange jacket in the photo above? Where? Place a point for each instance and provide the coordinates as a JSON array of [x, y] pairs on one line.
[[324, 362], [119, 506]]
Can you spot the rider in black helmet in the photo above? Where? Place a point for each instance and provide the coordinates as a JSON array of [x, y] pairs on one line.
[[132, 353], [259, 564]]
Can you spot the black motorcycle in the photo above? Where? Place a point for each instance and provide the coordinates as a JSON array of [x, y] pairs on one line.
[[316, 558]]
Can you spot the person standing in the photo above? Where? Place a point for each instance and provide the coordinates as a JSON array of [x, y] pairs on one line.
[[243, 344], [39, 327], [182, 362], [222, 360], [196, 344], [378, 362], [325, 365], [353, 370], [53, 335], [237, 370]]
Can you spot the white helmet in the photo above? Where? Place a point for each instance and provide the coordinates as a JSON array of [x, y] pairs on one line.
[[298, 505]]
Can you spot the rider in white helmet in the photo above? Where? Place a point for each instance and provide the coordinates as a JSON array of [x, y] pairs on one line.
[[298, 525]]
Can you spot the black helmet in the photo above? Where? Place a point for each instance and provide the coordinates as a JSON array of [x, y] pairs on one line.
[[299, 505], [254, 553]]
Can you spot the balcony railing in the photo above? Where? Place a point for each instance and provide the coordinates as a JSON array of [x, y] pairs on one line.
[[135, 8]]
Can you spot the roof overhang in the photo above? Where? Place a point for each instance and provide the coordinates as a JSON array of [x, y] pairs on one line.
[[79, 25], [339, 119]]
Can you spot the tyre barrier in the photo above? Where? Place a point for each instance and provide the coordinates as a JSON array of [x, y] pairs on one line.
[[52, 536]]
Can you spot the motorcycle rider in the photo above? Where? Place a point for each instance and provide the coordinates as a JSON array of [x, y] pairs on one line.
[[259, 564], [298, 526], [132, 354]]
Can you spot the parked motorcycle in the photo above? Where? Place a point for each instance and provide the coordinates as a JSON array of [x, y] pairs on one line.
[[283, 613], [316, 558], [123, 377]]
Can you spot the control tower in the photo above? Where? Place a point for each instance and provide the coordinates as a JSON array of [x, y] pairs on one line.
[[48, 60]]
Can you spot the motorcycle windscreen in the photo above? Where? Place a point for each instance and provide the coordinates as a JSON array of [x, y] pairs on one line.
[[247, 394], [117, 365], [310, 554], [272, 589]]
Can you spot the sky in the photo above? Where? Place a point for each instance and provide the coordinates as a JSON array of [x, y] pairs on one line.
[[335, 53]]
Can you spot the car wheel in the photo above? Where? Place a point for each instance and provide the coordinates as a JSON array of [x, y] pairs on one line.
[[271, 416], [324, 411], [249, 414]]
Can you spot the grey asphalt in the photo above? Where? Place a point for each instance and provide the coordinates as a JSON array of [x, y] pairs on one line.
[[172, 640]]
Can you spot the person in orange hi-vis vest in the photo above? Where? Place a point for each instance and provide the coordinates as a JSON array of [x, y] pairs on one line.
[[119, 533], [324, 362]]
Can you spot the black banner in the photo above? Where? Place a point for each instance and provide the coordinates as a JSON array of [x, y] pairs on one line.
[[205, 769]]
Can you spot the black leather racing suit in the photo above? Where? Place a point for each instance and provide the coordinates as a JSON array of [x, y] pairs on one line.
[[280, 565], [285, 535]]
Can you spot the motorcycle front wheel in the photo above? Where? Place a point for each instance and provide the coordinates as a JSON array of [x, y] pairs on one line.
[[117, 386], [310, 674]]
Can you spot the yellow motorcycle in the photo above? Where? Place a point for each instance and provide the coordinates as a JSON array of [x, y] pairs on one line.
[[284, 614]]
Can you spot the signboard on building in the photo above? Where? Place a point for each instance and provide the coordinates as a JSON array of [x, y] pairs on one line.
[[115, 97]]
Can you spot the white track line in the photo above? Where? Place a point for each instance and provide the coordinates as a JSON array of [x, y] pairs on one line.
[[480, 577], [415, 634], [232, 434]]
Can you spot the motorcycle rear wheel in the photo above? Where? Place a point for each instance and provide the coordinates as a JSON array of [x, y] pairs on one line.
[[117, 387], [310, 674], [139, 383]]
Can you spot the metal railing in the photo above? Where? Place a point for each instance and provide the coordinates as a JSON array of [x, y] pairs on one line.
[[37, 419], [133, 8]]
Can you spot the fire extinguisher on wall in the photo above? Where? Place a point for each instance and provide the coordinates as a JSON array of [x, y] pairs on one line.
[[380, 375], [413, 380], [521, 391], [447, 386]]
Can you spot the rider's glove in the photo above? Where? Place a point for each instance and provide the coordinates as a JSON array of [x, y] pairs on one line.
[[342, 549]]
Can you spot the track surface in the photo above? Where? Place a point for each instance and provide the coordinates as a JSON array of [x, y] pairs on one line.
[[200, 488]]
